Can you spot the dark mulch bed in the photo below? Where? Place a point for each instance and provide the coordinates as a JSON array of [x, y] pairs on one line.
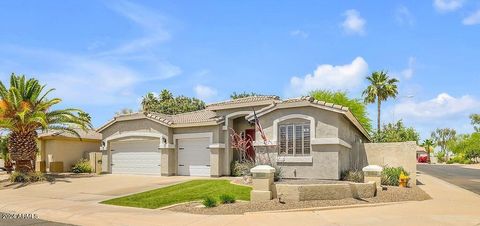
[[393, 194]]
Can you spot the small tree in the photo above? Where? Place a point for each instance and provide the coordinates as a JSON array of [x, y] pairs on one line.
[[442, 137], [166, 103], [356, 106], [475, 121], [236, 95], [396, 132]]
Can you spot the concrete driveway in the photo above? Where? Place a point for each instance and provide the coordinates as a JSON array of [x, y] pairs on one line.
[[76, 202]]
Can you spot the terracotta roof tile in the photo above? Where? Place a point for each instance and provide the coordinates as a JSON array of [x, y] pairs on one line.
[[250, 99]]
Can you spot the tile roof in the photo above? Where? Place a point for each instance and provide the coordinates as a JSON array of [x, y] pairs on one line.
[[90, 134], [244, 100], [188, 117]]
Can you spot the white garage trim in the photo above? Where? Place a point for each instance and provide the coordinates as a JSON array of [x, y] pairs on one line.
[[194, 157], [136, 157], [133, 134], [192, 135]]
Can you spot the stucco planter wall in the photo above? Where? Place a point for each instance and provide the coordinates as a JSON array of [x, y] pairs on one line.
[[304, 192]]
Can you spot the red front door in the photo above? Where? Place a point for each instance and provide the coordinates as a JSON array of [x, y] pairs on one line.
[[250, 136]]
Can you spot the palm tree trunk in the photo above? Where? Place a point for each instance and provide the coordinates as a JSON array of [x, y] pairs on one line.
[[379, 105], [22, 147]]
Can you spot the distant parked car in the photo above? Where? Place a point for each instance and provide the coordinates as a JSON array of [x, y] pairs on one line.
[[422, 159]]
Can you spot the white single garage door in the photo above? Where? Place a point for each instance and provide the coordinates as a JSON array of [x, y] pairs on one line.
[[136, 157], [194, 157]]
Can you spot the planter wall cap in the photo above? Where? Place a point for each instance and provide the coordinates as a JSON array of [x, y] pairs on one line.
[[262, 169], [372, 168]]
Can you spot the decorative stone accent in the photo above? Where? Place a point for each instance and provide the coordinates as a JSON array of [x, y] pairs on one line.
[[262, 181], [372, 173]]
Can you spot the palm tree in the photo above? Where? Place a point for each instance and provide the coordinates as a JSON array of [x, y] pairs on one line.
[[428, 144], [25, 110], [380, 89]]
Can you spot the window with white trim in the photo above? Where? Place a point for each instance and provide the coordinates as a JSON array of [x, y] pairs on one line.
[[294, 139]]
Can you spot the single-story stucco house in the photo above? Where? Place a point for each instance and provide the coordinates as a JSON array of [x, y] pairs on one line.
[[59, 151], [315, 139]]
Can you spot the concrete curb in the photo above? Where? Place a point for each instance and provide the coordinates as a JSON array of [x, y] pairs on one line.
[[311, 209]]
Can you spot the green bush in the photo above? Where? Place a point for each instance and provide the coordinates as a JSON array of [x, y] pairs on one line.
[[240, 169], [353, 176], [391, 175], [227, 198], [82, 166], [36, 176], [18, 177], [209, 202]]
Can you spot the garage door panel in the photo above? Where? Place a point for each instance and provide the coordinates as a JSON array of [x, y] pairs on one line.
[[194, 157], [136, 157]]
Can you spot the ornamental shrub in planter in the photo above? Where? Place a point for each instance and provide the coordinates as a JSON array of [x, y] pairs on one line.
[[391, 175], [353, 176], [209, 202], [227, 198], [82, 166]]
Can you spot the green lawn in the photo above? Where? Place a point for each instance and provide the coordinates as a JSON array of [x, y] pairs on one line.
[[183, 192]]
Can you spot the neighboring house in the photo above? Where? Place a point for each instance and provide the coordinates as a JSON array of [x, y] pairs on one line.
[[315, 139], [66, 149]]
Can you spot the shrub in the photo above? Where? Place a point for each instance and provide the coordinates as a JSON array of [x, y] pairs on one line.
[[36, 176], [18, 177], [278, 175], [227, 198], [82, 166], [352, 175], [209, 202], [240, 169], [391, 175]]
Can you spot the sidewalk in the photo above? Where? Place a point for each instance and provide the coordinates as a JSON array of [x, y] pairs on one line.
[[450, 205]]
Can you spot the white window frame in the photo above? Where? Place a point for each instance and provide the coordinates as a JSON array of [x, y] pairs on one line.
[[293, 141]]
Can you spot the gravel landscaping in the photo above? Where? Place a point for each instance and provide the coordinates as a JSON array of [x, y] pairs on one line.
[[392, 194]]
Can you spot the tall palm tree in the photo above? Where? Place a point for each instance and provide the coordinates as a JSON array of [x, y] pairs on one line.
[[25, 110], [380, 89], [429, 145]]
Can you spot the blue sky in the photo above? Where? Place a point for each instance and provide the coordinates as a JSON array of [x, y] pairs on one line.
[[103, 56]]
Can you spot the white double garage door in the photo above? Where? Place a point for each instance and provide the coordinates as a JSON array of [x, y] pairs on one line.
[[143, 157]]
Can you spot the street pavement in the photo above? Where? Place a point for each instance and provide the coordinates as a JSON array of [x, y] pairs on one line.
[[467, 178], [8, 219]]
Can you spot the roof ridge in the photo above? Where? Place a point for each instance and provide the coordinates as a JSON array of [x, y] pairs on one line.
[[273, 97]]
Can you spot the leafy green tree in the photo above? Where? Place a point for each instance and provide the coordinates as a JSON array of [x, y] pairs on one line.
[[380, 89], [466, 147], [442, 137], [429, 145], [475, 121], [396, 132], [25, 109], [166, 103], [356, 106], [236, 95]]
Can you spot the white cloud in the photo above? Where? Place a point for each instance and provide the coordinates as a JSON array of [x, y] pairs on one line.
[[447, 5], [353, 23], [410, 70], [443, 106], [151, 22], [328, 76], [205, 92], [472, 19], [299, 33], [403, 16]]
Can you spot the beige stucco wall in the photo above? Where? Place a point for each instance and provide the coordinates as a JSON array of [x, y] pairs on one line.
[[67, 151], [394, 155], [328, 160], [136, 125]]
